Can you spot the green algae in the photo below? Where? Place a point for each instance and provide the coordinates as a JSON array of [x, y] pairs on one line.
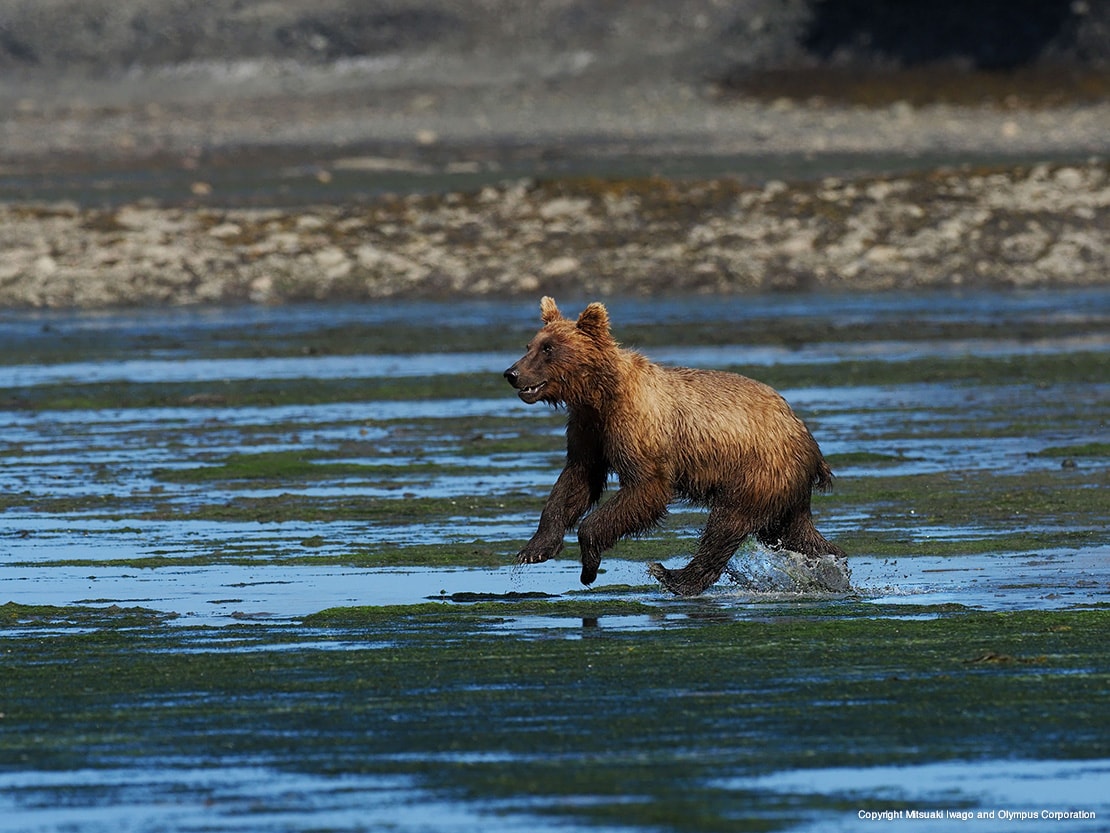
[[243, 393], [59, 342], [82, 616], [1082, 450], [620, 707], [294, 506], [474, 554], [861, 458], [471, 614], [1078, 368], [903, 513], [274, 465], [644, 725], [919, 514], [905, 543], [1067, 498], [1062, 368], [286, 466]]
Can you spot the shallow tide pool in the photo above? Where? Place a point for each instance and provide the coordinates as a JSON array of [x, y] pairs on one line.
[[256, 573]]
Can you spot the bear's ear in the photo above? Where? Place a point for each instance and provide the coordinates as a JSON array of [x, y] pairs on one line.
[[548, 311], [594, 322]]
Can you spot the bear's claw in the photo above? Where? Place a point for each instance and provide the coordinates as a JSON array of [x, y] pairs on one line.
[[536, 554]]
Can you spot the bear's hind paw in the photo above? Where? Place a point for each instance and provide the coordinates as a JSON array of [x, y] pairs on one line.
[[664, 576], [674, 580]]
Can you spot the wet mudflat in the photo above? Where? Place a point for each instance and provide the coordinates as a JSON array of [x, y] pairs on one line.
[[257, 567]]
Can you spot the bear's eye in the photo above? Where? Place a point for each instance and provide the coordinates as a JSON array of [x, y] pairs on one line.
[[548, 349]]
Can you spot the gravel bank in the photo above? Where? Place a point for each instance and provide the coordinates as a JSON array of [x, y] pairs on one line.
[[1045, 225]]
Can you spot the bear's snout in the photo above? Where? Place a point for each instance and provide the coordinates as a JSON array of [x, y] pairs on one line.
[[529, 393]]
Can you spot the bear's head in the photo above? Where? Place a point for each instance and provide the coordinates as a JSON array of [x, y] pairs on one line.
[[566, 358]]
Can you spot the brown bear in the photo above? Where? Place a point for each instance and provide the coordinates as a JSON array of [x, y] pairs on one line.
[[717, 439]]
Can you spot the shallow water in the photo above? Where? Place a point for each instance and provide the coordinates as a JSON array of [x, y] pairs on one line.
[[221, 594], [243, 797], [981, 795], [209, 467]]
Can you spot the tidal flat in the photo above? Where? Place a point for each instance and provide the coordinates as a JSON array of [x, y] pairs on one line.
[[256, 573]]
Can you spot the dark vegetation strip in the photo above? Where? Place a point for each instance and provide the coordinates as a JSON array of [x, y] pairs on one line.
[[301, 466], [952, 498], [54, 344], [1064, 368], [1064, 496]]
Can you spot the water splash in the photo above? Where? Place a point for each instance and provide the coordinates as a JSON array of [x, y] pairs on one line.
[[758, 569]]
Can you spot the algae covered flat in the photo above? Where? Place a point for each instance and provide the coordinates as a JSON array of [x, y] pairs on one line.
[[280, 593], [674, 725]]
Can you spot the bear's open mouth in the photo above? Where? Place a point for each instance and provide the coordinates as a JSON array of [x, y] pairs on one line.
[[531, 391]]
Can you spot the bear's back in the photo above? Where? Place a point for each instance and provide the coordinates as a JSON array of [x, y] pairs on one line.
[[723, 403], [726, 430]]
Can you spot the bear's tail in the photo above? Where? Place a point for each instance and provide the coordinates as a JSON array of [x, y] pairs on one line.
[[823, 478]]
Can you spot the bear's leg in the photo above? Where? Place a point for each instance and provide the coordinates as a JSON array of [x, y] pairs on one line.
[[725, 530], [631, 510], [798, 534], [578, 487]]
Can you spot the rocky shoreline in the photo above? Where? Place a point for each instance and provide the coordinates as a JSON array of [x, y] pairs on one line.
[[1020, 226]]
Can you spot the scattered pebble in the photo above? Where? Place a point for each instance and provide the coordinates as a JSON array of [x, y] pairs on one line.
[[1018, 227]]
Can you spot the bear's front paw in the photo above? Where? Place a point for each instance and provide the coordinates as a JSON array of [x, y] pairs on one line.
[[534, 552]]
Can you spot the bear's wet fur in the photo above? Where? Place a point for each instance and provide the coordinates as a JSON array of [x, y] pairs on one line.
[[717, 439]]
